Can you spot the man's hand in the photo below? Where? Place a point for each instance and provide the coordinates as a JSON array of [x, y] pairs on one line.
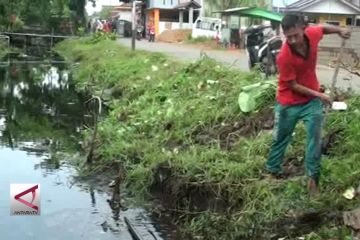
[[325, 98], [345, 33]]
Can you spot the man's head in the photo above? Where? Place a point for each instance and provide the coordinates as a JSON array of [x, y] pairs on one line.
[[293, 27]]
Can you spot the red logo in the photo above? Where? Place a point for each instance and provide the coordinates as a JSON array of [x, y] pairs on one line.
[[29, 204]]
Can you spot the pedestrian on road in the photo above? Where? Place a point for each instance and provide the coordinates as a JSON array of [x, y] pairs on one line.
[[298, 95], [99, 26], [106, 26], [114, 24], [151, 33]]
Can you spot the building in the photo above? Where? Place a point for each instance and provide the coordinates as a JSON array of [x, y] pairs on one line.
[[122, 12], [172, 14], [336, 12]]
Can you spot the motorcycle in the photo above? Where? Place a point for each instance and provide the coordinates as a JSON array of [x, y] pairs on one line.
[[139, 32], [261, 49]]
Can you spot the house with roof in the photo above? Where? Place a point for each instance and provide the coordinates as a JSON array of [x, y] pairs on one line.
[[336, 12], [121, 11], [172, 14]]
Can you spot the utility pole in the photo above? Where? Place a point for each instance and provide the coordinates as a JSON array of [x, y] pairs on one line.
[[133, 26], [134, 23]]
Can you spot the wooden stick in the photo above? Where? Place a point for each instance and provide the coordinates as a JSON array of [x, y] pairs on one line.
[[134, 233], [89, 158], [336, 73], [332, 89]]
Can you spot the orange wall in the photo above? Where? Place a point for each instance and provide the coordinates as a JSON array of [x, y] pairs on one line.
[[156, 20], [154, 17]]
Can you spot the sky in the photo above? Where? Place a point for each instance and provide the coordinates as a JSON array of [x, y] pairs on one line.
[[90, 9]]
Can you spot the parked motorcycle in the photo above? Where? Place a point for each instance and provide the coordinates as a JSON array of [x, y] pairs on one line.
[[261, 49], [139, 32]]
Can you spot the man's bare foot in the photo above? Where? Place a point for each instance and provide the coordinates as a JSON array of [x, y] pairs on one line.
[[313, 187]]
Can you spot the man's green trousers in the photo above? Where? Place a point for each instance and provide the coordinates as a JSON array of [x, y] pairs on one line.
[[286, 118]]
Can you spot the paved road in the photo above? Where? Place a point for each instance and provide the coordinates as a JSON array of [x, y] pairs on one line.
[[238, 59], [187, 52]]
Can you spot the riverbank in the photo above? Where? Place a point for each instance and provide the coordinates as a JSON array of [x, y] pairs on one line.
[[177, 130]]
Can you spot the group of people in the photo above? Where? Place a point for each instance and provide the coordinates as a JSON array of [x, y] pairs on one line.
[[102, 25], [150, 31], [99, 25]]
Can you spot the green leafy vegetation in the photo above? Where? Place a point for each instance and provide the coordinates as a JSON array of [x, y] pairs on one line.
[[252, 96], [55, 14], [101, 36], [105, 13], [178, 130]]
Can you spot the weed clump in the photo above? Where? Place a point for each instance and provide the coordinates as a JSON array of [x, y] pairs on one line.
[[101, 36]]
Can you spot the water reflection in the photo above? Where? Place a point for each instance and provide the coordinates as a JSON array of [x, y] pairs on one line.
[[41, 116], [39, 102]]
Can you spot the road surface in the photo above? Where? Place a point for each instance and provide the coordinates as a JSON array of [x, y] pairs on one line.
[[237, 59]]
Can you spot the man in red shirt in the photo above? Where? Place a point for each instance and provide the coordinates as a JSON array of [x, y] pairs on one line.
[[299, 96]]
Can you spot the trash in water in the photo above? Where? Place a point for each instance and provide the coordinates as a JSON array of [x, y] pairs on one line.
[[112, 184]]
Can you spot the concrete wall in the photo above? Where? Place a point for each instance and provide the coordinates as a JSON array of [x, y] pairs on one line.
[[171, 26], [125, 15]]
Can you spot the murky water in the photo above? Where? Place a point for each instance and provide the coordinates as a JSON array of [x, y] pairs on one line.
[[40, 116]]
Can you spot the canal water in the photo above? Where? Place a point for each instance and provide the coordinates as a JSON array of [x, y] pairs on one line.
[[41, 119]]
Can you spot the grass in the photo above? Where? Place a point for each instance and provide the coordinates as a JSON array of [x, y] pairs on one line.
[[200, 40], [170, 125], [209, 42]]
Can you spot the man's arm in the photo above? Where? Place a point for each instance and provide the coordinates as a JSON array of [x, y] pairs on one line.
[[298, 88], [331, 29]]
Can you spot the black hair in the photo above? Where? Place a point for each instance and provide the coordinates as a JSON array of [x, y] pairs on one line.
[[291, 21]]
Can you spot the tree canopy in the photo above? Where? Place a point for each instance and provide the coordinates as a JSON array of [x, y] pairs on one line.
[[47, 14]]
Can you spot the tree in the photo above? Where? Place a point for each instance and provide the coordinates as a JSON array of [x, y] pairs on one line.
[[77, 8], [44, 13], [105, 13], [9, 10]]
